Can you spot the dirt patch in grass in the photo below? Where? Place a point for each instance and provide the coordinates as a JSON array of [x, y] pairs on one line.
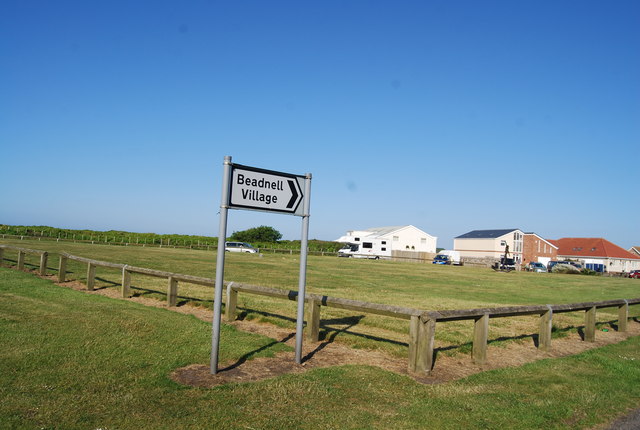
[[329, 353]]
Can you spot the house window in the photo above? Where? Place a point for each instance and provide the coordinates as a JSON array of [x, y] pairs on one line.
[[503, 243]]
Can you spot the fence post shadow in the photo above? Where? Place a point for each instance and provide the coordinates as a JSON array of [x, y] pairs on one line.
[[245, 357], [352, 320]]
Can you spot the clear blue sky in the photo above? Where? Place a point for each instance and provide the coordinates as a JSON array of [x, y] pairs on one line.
[[448, 115]]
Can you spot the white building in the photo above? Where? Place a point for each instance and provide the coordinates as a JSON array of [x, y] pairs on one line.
[[401, 238]]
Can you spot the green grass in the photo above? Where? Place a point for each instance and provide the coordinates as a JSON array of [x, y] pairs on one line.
[[422, 286], [75, 361]]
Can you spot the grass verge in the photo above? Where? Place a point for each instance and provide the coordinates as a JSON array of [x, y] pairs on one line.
[[76, 361]]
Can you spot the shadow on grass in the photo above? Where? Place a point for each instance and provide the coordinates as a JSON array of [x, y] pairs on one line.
[[332, 328], [248, 355], [329, 335]]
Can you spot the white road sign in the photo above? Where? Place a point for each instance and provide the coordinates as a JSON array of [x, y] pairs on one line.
[[265, 190]]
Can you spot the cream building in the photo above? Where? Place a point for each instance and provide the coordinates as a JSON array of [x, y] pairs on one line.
[[490, 244]]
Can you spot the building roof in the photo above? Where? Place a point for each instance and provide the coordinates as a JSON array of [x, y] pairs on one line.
[[486, 234], [591, 247], [379, 231]]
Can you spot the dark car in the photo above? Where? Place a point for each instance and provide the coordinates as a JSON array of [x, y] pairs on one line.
[[441, 259], [634, 274]]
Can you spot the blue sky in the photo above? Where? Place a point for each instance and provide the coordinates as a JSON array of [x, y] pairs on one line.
[[448, 115]]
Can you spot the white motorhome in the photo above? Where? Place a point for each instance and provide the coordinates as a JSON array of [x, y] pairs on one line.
[[369, 248]]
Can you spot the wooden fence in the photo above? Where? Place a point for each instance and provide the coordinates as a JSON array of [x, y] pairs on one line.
[[422, 324], [44, 255], [172, 278]]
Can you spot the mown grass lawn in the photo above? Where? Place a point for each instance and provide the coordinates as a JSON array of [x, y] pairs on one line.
[[421, 286], [75, 361]]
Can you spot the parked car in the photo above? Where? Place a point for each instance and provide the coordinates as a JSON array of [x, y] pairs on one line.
[[448, 257], [634, 274], [536, 267], [239, 247]]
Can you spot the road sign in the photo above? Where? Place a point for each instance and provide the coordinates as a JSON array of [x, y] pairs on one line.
[[265, 190], [262, 190]]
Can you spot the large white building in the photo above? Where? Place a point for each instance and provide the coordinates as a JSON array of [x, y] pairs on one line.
[[401, 238]]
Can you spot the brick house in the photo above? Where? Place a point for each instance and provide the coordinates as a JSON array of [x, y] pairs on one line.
[[597, 254], [538, 249]]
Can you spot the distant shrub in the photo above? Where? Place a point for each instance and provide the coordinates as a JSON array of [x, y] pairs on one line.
[[589, 272], [566, 269]]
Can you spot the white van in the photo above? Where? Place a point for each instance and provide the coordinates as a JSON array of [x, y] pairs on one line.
[[239, 247]]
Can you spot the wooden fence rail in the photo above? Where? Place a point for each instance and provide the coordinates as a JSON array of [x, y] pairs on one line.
[[422, 324], [172, 278], [44, 255]]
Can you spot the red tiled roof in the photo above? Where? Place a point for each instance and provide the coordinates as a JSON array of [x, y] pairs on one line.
[[591, 247]]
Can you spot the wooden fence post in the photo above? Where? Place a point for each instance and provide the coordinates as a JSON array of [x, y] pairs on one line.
[[1, 256], [62, 269], [313, 320], [623, 316], [590, 325], [414, 333], [232, 303], [423, 345], [546, 327], [480, 337], [43, 263], [91, 276], [126, 283], [20, 260], [172, 291]]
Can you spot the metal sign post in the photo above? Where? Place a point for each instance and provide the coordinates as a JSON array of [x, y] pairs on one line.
[[251, 188], [302, 283], [222, 236]]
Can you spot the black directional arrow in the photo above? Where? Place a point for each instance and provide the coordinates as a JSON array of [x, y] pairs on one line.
[[294, 194]]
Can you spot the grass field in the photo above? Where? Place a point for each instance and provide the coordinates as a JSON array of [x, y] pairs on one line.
[[75, 361], [421, 286]]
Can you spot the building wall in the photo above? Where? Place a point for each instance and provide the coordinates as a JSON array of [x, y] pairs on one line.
[[490, 248], [537, 250], [613, 265], [411, 239]]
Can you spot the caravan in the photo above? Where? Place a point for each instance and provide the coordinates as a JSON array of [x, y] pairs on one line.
[[368, 248]]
